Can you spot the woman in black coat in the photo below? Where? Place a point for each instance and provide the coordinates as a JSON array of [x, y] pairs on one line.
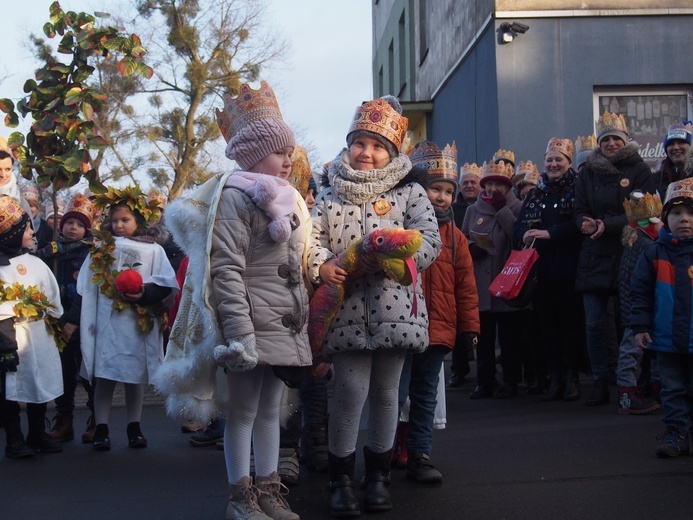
[[546, 220], [612, 172]]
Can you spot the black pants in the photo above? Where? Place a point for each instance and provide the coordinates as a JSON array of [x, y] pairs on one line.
[[70, 360], [508, 328]]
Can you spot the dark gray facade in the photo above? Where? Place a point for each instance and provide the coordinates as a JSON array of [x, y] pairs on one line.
[[542, 84]]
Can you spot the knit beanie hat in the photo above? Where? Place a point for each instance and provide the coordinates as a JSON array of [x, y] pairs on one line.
[[380, 119], [252, 126], [679, 131], [82, 209]]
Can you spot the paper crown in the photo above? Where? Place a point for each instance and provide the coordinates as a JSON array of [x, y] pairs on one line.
[[250, 105], [300, 170], [504, 155], [30, 192], [500, 171], [81, 204], [470, 168], [682, 131], [379, 117], [10, 213], [50, 210], [641, 206], [679, 189], [529, 172], [158, 197], [441, 164], [585, 143], [564, 146], [611, 124]]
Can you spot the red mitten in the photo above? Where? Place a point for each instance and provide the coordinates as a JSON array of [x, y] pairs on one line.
[[129, 282]]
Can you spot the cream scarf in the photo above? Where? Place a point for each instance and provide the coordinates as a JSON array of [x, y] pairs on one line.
[[358, 187]]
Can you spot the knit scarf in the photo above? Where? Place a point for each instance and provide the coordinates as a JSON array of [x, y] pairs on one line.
[[275, 196], [358, 187], [10, 188], [443, 216], [564, 184]]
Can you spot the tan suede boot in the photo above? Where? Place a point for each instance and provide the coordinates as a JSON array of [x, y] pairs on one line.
[[243, 502], [62, 428], [271, 500]]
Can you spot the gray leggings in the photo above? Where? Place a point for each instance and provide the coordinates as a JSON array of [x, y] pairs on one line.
[[373, 374]]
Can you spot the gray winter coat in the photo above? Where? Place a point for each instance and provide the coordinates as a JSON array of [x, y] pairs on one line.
[[490, 232], [258, 283], [377, 311]]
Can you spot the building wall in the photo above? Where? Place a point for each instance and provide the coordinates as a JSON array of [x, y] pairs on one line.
[[547, 76], [466, 108]]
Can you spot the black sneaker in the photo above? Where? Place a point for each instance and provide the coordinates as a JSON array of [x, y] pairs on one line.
[[673, 442], [419, 468], [212, 433], [101, 440], [135, 437]]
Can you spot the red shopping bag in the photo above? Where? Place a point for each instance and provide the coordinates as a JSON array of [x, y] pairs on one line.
[[517, 278]]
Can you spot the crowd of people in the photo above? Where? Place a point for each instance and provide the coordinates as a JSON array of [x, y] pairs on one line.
[[266, 284]]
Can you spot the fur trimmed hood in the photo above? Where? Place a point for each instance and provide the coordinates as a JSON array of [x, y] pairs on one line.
[[601, 165]]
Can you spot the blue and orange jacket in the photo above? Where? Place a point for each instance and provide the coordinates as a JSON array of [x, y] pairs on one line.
[[662, 294]]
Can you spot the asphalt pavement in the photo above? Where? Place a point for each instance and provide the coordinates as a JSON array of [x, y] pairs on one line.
[[509, 459]]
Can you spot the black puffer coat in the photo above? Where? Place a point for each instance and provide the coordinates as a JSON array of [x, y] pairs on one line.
[[601, 188]]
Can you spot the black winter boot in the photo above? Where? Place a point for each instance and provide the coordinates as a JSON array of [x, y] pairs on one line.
[[555, 391], [343, 503], [600, 393], [376, 481], [16, 447], [37, 438], [572, 387]]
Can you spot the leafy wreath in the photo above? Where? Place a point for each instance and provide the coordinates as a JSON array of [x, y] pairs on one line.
[[102, 259], [32, 305]]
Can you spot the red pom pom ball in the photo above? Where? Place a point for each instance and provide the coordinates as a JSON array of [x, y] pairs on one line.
[[129, 282]]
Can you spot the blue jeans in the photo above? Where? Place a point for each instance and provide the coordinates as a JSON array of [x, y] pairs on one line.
[[596, 304], [630, 357], [676, 374], [419, 380], [314, 400]]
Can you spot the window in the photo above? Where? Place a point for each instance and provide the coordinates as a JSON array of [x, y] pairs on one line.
[[648, 114], [423, 31]]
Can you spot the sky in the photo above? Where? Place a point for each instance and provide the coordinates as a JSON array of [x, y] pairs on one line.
[[327, 72]]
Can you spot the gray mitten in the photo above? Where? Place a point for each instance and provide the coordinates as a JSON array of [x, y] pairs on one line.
[[239, 356]]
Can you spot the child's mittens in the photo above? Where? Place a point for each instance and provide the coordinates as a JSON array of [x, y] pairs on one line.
[[239, 356]]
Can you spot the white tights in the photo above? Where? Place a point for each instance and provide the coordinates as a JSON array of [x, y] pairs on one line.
[[103, 398], [373, 374], [254, 400]]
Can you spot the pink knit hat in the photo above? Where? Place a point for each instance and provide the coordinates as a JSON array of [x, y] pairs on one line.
[[253, 126]]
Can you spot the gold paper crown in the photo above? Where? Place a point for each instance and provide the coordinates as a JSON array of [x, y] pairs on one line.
[[642, 207], [441, 164], [50, 210], [608, 123], [10, 213], [30, 192], [679, 189], [529, 172], [250, 105], [678, 130], [585, 143], [564, 146], [472, 168], [379, 117], [504, 155], [158, 197], [499, 169], [300, 170], [81, 204]]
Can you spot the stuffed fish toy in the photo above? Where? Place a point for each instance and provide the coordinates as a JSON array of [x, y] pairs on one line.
[[392, 249]]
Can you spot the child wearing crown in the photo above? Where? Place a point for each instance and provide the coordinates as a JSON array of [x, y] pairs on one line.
[[125, 284], [452, 304], [244, 305], [70, 250], [660, 315], [643, 212], [29, 359], [370, 185]]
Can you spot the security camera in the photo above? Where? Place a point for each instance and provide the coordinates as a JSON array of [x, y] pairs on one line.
[[519, 27]]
